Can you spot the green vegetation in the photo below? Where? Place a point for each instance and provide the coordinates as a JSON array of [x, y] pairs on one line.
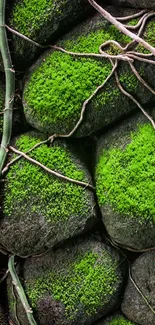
[[119, 320], [125, 178], [89, 281], [148, 36], [29, 15], [31, 190], [61, 83]]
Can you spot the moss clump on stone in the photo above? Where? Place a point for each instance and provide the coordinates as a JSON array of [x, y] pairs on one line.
[[126, 178], [28, 15], [31, 190], [148, 36], [87, 281], [119, 320]]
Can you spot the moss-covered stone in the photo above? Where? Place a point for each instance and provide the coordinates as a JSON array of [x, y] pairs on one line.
[[41, 21], [125, 183], [77, 283], [46, 209], [59, 83], [116, 319]]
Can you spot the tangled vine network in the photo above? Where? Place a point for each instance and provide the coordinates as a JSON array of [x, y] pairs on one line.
[[127, 54]]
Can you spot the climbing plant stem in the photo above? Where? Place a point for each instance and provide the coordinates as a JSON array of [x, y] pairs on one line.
[[20, 291], [9, 86]]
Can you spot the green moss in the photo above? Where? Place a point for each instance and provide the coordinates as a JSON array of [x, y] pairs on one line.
[[126, 178], [31, 190], [148, 36], [29, 15], [62, 82], [88, 281], [120, 320]]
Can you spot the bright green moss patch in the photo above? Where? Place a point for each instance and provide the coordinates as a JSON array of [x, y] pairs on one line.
[[29, 15], [126, 178], [88, 281], [30, 190], [56, 90], [148, 36], [120, 320]]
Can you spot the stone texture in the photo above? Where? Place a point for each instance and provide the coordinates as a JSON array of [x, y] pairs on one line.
[[125, 182], [133, 305], [115, 319], [140, 4], [39, 209], [58, 84], [73, 285]]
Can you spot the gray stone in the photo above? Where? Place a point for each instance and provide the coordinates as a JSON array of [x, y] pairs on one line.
[[73, 285], [140, 4], [39, 209], [115, 319], [134, 305], [58, 84], [125, 183]]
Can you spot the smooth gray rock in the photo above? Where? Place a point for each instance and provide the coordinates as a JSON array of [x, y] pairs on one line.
[[134, 305], [73, 285]]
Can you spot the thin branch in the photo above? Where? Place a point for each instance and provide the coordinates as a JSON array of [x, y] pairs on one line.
[[16, 282], [50, 171], [134, 100], [121, 27], [141, 80], [10, 87], [140, 292], [130, 17]]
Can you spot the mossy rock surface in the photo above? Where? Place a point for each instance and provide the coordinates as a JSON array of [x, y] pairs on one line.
[[125, 182], [73, 285], [134, 305], [58, 83], [144, 4], [41, 21], [3, 317], [39, 209], [116, 319]]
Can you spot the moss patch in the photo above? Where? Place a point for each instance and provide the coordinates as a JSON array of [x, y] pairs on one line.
[[148, 36], [29, 15], [57, 88], [31, 190], [126, 178], [88, 281], [119, 320]]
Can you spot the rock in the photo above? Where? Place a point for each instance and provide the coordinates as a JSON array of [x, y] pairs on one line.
[[41, 21], [116, 319], [39, 209], [125, 182], [58, 83], [134, 305], [144, 4], [3, 317], [73, 285]]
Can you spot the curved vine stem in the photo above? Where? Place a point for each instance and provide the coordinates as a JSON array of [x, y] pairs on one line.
[[16, 282], [10, 87]]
